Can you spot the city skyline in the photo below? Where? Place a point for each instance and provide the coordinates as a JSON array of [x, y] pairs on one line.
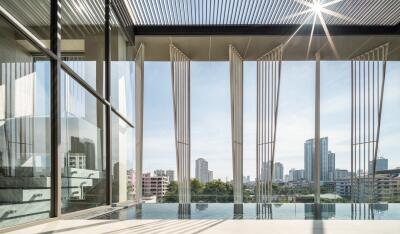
[[211, 115]]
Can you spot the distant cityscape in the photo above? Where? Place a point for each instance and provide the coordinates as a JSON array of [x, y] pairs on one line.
[[333, 180]]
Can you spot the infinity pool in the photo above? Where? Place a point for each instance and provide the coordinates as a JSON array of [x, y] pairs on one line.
[[298, 211]]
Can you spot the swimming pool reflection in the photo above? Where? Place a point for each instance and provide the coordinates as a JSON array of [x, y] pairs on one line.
[[299, 211]]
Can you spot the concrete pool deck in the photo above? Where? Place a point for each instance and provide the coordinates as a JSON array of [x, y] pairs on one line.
[[215, 226]]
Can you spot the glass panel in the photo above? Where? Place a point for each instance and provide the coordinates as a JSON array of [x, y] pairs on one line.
[[336, 127], [123, 160], [122, 73], [25, 162], [82, 44], [34, 15], [83, 165]]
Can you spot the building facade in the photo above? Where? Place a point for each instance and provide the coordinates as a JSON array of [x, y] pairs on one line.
[[154, 185], [309, 159], [331, 166], [381, 165], [202, 170]]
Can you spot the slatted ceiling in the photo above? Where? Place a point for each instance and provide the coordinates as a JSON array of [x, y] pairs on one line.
[[244, 12]]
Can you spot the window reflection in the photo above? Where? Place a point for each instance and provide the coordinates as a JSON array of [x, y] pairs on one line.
[[24, 133], [83, 161]]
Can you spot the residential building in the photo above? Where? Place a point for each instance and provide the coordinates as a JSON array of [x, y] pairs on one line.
[[341, 173], [154, 185], [202, 170], [168, 173], [386, 187]]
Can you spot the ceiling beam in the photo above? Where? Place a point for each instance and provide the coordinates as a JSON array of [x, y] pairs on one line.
[[272, 30]]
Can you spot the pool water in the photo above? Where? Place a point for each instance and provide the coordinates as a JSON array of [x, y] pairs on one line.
[[300, 211]]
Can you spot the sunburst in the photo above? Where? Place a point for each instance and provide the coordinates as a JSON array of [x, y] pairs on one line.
[[316, 10]]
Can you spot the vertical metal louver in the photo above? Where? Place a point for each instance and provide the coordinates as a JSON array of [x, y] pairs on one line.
[[368, 72], [236, 85], [180, 74], [268, 86]]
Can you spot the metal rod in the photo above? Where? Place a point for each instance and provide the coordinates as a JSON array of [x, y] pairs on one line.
[[107, 93], [55, 110], [317, 189]]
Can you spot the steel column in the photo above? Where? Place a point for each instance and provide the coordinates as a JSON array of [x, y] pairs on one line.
[[236, 90], [55, 112], [107, 97], [139, 98]]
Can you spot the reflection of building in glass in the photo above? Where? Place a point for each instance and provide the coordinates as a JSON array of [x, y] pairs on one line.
[[201, 206], [76, 160], [320, 211]]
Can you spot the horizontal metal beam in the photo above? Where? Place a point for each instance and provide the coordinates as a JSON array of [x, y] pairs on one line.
[[273, 30]]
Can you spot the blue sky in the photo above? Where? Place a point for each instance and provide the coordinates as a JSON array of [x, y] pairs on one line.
[[210, 123]]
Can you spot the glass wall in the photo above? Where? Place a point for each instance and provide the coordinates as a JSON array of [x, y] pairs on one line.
[[123, 99], [25, 162], [83, 163]]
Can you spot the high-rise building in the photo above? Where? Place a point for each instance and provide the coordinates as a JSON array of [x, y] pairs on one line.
[[170, 174], [309, 159], [246, 179], [210, 176], [278, 172], [298, 175], [331, 166], [202, 170], [159, 172], [381, 164]]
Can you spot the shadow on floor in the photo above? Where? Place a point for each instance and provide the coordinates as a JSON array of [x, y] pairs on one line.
[[170, 227]]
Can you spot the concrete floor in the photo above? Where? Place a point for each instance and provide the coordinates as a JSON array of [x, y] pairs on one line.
[[215, 226]]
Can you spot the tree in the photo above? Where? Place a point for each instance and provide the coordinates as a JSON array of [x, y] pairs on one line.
[[172, 192]]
